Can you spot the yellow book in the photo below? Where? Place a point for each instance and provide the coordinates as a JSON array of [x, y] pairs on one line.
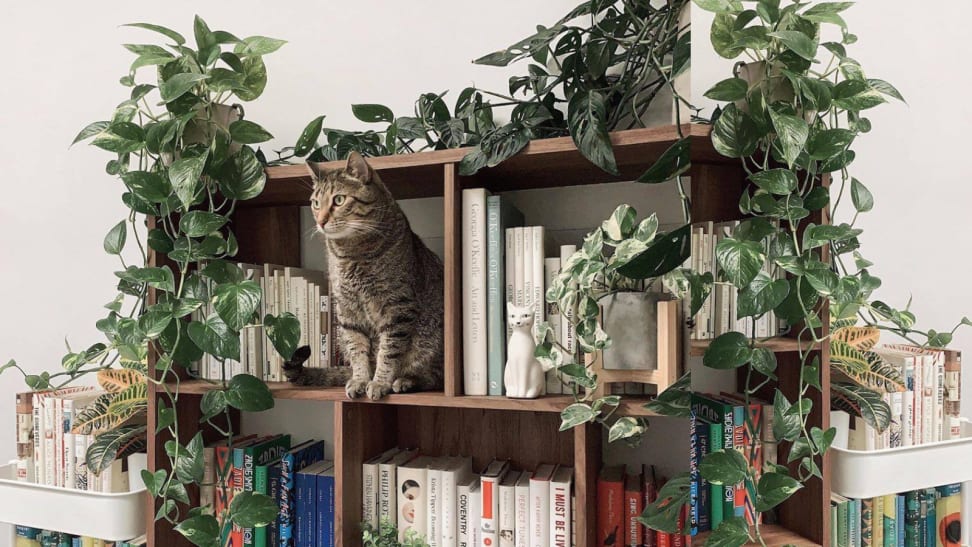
[[87, 541], [890, 528], [877, 532]]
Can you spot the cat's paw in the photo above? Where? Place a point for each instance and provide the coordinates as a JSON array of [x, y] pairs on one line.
[[355, 388], [402, 385], [376, 390]]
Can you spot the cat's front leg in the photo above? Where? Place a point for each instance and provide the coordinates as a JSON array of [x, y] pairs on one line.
[[356, 347], [393, 342]]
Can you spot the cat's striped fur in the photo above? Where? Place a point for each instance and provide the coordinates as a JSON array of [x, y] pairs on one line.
[[387, 287]]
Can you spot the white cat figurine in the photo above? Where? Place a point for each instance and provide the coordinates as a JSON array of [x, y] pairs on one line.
[[523, 377]]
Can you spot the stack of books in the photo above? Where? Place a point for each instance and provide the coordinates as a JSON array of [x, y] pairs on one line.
[[920, 518], [622, 495], [927, 411], [297, 478], [25, 536], [718, 314], [49, 453], [442, 500], [723, 422], [503, 261], [301, 292]]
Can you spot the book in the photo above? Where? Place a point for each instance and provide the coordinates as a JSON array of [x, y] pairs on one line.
[[387, 482], [369, 487], [568, 337], [259, 454], [560, 510], [456, 471], [650, 492], [474, 331], [912, 519], [294, 460], [519, 265], [877, 521], [411, 487], [633, 506], [854, 524], [489, 481], [71, 405], [540, 505], [715, 410], [551, 268], [305, 502], [536, 267], [843, 519], [500, 214], [326, 536], [948, 515], [273, 487], [509, 272], [522, 503], [900, 510], [235, 483], [953, 394], [475, 512], [465, 514], [928, 511], [867, 522], [695, 477], [261, 485], [751, 448], [610, 505], [434, 505], [224, 475], [716, 491], [506, 520]]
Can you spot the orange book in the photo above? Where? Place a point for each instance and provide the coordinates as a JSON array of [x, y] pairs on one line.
[[223, 456], [633, 506], [610, 506]]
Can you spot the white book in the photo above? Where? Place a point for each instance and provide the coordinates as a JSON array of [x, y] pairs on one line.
[[540, 506], [519, 282], [264, 310], [59, 470], [489, 513], [72, 403], [507, 509], [474, 346], [551, 267], [522, 503], [369, 486], [50, 457], [539, 301], [456, 471], [281, 306], [942, 427], [387, 481], [510, 280], [528, 262], [37, 411], [326, 352], [314, 316], [465, 492], [475, 512], [567, 334], [81, 475], [560, 510], [433, 499], [412, 489]]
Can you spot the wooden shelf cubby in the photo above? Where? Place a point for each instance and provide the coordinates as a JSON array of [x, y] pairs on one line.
[[449, 423]]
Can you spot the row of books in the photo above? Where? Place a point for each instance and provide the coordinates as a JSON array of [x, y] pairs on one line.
[[718, 314], [302, 292], [25, 536], [931, 517], [49, 453], [621, 497], [503, 261], [928, 410], [441, 500], [723, 422], [297, 478]]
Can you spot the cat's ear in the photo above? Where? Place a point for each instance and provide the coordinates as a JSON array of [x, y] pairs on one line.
[[358, 168], [316, 169]]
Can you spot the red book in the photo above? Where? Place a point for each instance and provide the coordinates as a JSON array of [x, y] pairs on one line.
[[650, 492], [610, 506], [679, 540], [752, 451], [223, 457], [662, 539], [633, 506]]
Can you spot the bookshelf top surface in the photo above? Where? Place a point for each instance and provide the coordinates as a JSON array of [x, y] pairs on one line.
[[543, 163], [631, 406]]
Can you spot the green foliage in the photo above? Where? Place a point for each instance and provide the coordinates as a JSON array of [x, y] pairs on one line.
[[386, 535]]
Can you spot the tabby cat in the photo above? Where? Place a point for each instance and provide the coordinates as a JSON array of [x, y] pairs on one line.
[[387, 287]]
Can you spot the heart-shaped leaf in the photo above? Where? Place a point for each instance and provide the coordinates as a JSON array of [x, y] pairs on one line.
[[248, 393], [213, 336], [729, 350], [236, 302]]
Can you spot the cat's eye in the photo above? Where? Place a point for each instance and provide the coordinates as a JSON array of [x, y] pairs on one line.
[[315, 203], [340, 199]]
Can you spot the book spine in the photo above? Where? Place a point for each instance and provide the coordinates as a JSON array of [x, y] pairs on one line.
[[37, 429], [261, 486], [463, 531], [509, 281], [475, 521], [632, 528], [387, 499], [474, 292], [236, 533], [610, 511], [695, 478], [412, 488], [80, 449], [705, 489], [489, 512], [273, 486], [551, 268], [288, 507], [433, 515], [304, 503], [507, 515], [941, 428], [325, 511], [369, 494], [495, 291], [912, 519], [539, 513], [519, 265], [539, 302], [50, 458], [953, 394], [752, 450], [567, 334], [68, 448], [522, 528], [650, 493], [867, 522], [739, 443], [448, 508], [560, 514]]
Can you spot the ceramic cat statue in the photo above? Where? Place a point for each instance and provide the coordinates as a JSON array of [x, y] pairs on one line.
[[524, 375]]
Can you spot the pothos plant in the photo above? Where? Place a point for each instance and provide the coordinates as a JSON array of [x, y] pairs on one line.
[[791, 123], [182, 153], [597, 69]]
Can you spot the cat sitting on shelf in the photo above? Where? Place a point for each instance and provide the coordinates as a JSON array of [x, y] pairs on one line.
[[523, 377]]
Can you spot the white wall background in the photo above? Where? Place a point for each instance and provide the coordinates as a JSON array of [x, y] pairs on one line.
[[64, 60]]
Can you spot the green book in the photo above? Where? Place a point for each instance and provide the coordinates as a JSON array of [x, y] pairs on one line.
[[833, 523], [913, 522], [843, 522], [717, 411], [261, 484], [928, 509], [889, 520], [716, 495], [500, 215], [256, 455]]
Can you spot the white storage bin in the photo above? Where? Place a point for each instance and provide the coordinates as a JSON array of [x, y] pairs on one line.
[[112, 517]]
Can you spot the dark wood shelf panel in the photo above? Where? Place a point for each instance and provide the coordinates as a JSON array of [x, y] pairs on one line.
[[542, 164], [772, 534], [777, 345], [630, 406]]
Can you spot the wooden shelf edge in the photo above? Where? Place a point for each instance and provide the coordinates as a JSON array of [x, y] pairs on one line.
[[773, 535], [777, 345], [630, 406]]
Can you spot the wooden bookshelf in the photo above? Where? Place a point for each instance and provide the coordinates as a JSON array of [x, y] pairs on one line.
[[776, 345], [772, 535], [448, 422]]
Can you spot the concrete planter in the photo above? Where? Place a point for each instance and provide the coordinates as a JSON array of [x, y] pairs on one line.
[[630, 319]]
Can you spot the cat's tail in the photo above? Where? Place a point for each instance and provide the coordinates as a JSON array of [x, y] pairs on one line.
[[296, 373]]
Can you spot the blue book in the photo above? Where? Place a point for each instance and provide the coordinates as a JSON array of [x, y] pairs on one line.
[[855, 523], [273, 481], [900, 509], [325, 508], [500, 215], [695, 477], [294, 460], [306, 515], [928, 499]]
